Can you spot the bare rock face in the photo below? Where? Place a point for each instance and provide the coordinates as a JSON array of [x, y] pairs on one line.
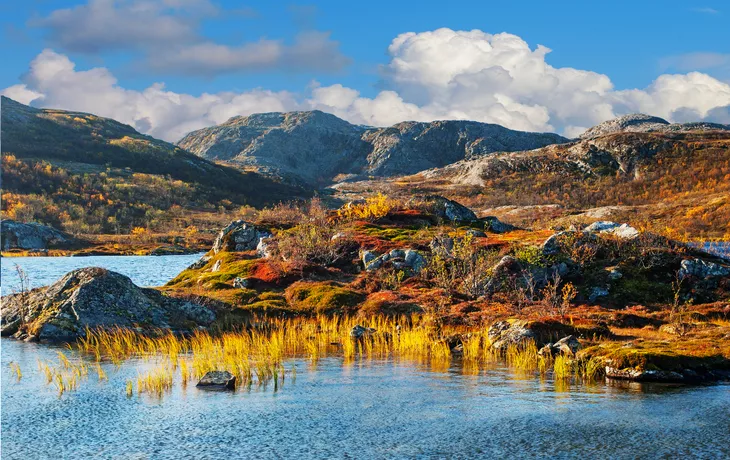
[[239, 236], [32, 236], [95, 298], [314, 147], [502, 334], [449, 209], [640, 123]]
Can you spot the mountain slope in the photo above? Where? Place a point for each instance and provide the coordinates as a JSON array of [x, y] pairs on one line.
[[314, 147], [92, 174]]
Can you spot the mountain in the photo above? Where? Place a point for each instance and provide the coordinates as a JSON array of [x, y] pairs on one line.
[[315, 147], [64, 166], [640, 123]]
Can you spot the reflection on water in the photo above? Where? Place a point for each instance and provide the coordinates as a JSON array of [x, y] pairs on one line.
[[143, 270], [364, 409]]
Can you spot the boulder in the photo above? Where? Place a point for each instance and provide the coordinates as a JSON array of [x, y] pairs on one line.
[[263, 248], [415, 260], [623, 231], [507, 267], [551, 245], [32, 236], [442, 245], [568, 346], [449, 209], [702, 269], [596, 293], [495, 225], [502, 334], [474, 233], [95, 298], [217, 380], [360, 332], [200, 263], [239, 236]]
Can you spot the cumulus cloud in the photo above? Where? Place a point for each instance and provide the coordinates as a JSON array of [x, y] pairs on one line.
[[166, 32], [442, 74]]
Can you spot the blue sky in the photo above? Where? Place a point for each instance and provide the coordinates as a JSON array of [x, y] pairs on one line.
[[275, 55]]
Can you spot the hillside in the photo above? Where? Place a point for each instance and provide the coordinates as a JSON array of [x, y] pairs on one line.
[[676, 179], [315, 147], [91, 174]]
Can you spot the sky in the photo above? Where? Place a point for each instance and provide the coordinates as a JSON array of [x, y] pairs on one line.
[[168, 67]]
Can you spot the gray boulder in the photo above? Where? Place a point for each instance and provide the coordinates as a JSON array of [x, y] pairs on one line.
[[360, 332], [623, 231], [95, 298], [442, 246], [217, 380], [415, 260], [264, 247], [507, 267], [702, 269], [239, 236], [449, 209], [497, 226], [502, 334], [568, 346], [32, 236]]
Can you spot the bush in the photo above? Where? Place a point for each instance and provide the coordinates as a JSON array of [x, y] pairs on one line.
[[373, 208]]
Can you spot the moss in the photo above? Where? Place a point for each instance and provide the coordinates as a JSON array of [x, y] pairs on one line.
[[322, 297], [232, 265], [395, 234], [387, 303], [651, 355]]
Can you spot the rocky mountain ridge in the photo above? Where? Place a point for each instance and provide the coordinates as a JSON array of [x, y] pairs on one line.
[[314, 147], [641, 123]]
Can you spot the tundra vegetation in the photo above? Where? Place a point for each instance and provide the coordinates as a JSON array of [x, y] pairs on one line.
[[391, 279]]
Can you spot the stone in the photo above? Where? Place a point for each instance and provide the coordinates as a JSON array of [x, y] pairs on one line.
[[217, 380], [264, 247], [97, 298], [702, 269], [476, 233], [596, 293], [495, 225], [216, 266], [368, 256], [502, 334], [449, 209], [503, 270], [551, 246], [239, 236], [32, 236], [242, 283], [442, 246], [359, 332], [614, 274], [415, 260], [623, 231]]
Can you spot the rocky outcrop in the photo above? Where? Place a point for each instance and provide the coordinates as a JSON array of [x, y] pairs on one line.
[[641, 123], [702, 269], [95, 298], [568, 346], [217, 380], [623, 231], [397, 258], [449, 209], [314, 147], [502, 334], [240, 236], [32, 236]]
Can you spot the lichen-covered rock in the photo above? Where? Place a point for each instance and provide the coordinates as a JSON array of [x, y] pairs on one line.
[[449, 209], [442, 245], [415, 260], [239, 236], [95, 298], [702, 269], [32, 236], [359, 332], [200, 263], [242, 283], [502, 334], [401, 259], [264, 247], [217, 380], [568, 346], [507, 267], [623, 231]]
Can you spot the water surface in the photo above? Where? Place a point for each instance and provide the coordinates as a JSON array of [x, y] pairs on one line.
[[143, 270]]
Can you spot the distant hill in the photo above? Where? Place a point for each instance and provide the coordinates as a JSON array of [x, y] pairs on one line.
[[61, 166], [314, 147]]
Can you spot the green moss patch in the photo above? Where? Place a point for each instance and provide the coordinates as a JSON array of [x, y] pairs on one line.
[[322, 297]]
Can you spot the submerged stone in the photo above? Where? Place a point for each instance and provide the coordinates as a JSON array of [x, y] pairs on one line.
[[217, 380]]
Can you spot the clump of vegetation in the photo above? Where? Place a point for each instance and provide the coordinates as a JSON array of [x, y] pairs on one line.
[[322, 297], [372, 208]]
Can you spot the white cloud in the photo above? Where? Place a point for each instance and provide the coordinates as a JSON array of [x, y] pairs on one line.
[[21, 93], [443, 74]]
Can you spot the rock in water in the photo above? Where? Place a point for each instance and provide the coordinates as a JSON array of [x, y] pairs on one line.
[[239, 236], [217, 380], [32, 236], [95, 298], [503, 334]]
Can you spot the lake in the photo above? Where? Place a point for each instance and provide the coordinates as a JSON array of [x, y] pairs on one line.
[[362, 409]]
